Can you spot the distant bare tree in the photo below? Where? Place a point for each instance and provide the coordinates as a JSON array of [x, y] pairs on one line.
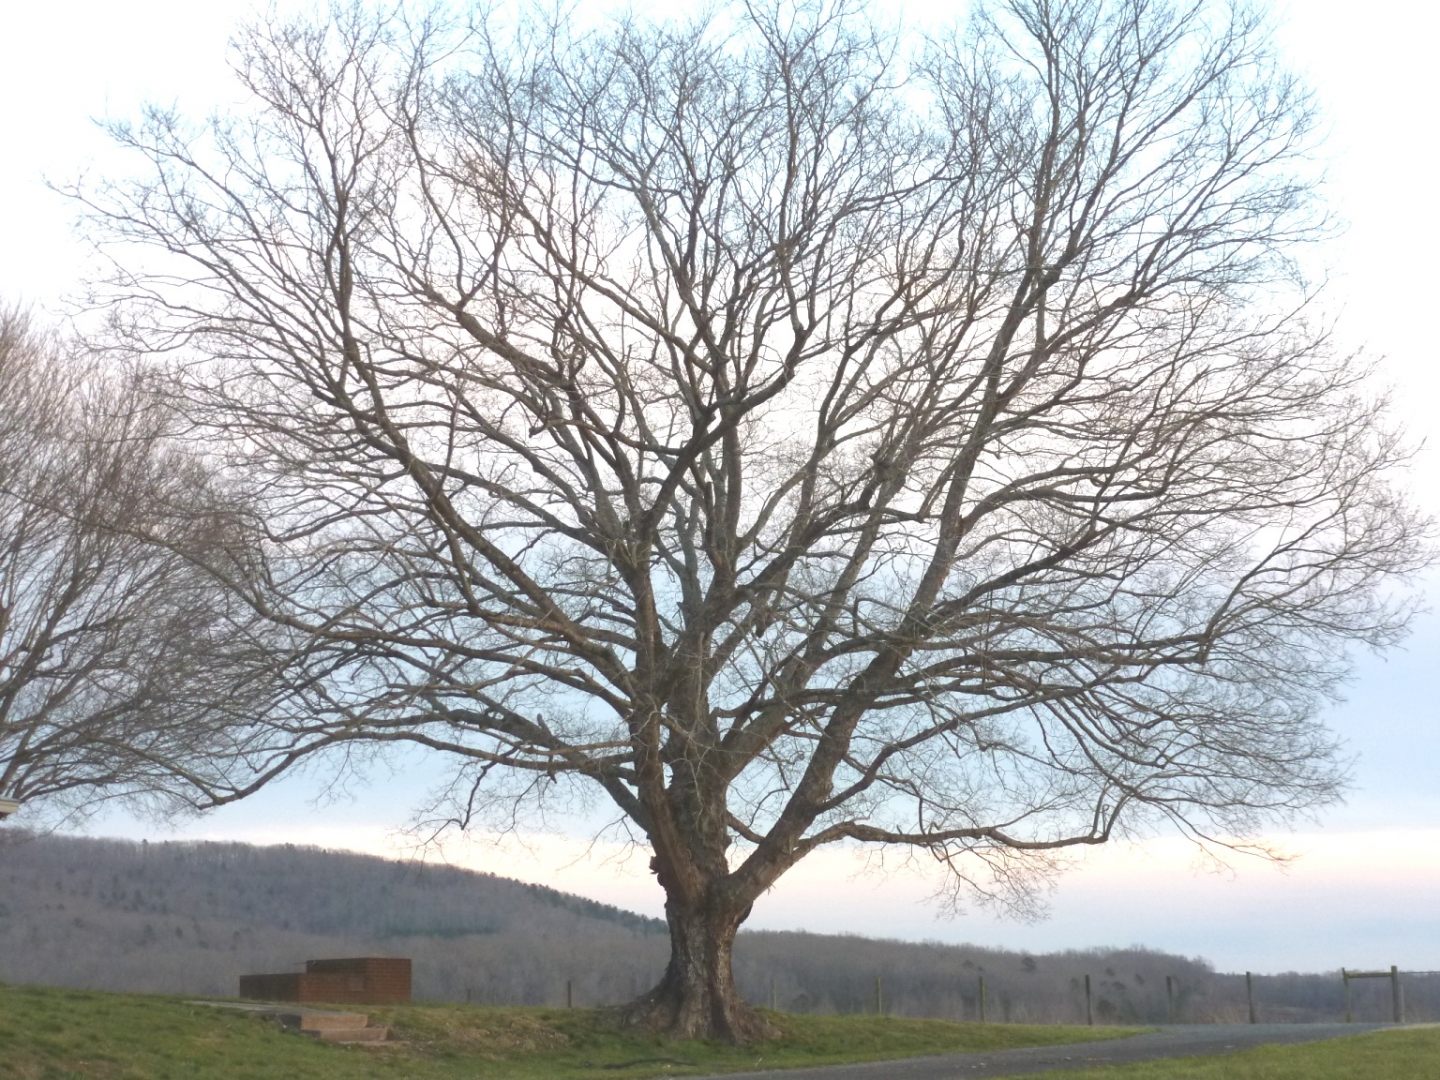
[[798, 437], [122, 671]]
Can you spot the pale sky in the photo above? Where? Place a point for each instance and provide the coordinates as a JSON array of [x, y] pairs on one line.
[[1363, 892]]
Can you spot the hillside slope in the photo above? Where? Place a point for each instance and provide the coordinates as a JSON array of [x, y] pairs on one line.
[[192, 917]]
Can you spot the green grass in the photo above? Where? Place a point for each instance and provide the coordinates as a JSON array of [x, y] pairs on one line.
[[1406, 1054], [48, 1034]]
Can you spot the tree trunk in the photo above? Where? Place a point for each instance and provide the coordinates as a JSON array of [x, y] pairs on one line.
[[697, 998]]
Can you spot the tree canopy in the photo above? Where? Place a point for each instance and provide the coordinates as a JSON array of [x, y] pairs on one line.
[[126, 670], [792, 430]]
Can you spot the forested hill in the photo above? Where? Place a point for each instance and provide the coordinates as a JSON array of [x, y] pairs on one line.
[[303, 889], [192, 917]]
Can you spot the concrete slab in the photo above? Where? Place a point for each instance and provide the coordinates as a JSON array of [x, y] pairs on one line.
[[328, 1025]]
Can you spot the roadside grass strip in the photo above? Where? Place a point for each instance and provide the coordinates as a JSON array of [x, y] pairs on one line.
[[54, 1034], [1400, 1054]]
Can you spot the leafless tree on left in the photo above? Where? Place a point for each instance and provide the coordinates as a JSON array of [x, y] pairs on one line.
[[125, 672]]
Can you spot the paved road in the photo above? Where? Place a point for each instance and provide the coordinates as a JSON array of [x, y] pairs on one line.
[[1183, 1040]]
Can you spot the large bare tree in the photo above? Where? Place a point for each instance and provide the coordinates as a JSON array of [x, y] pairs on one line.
[[126, 670], [796, 434]]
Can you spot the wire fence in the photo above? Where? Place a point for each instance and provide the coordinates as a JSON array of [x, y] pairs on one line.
[[1362, 996], [1105, 997]]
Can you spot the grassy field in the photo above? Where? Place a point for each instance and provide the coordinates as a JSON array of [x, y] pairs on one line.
[[48, 1034], [1412, 1054]]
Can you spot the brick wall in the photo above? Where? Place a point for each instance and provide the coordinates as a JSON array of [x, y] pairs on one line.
[[364, 980], [385, 979]]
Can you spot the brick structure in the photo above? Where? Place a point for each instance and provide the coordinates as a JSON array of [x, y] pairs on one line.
[[362, 980]]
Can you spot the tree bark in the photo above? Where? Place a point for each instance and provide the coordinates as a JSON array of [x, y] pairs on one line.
[[697, 997]]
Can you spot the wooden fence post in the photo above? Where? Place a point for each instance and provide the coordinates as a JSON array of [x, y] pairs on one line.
[[1345, 976], [878, 1000], [1089, 1014], [1397, 1009], [569, 993], [1250, 995], [1170, 998], [982, 999]]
